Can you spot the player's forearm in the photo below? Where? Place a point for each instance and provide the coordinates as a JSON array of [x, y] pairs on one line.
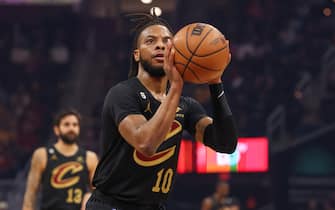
[[28, 207], [155, 130], [30, 196], [38, 163], [29, 201], [85, 199], [222, 134], [33, 182]]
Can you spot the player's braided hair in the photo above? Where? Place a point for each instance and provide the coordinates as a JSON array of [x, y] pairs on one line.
[[142, 21]]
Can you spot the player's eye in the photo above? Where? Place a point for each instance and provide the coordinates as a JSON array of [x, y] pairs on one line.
[[149, 41]]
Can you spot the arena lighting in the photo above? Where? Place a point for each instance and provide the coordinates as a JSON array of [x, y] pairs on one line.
[[146, 1], [156, 10], [251, 156]]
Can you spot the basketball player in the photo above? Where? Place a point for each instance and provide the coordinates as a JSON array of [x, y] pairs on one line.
[[143, 121], [63, 170], [219, 199]]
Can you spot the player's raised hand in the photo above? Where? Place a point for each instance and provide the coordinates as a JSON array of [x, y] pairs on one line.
[[219, 80], [170, 70]]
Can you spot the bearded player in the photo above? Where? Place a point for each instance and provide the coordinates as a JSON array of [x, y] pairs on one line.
[[61, 172]]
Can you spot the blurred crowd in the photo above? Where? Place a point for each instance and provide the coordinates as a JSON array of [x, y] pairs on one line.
[[34, 60], [275, 46]]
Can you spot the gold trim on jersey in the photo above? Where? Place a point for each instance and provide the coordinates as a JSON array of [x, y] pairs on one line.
[[156, 159], [162, 156], [175, 128], [57, 179]]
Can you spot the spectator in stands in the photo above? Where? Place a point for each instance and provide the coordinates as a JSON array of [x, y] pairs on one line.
[[312, 204], [230, 204], [219, 199]]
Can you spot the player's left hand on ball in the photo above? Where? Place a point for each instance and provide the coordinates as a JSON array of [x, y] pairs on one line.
[[219, 80]]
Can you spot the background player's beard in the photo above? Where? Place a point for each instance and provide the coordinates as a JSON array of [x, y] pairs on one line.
[[69, 138], [153, 71]]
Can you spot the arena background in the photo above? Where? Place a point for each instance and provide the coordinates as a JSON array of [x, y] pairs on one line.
[[280, 84]]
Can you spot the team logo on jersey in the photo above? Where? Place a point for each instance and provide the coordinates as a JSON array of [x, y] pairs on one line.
[[175, 129], [58, 179], [51, 151], [162, 156], [143, 95], [156, 159], [177, 114], [148, 108], [80, 159], [54, 157]]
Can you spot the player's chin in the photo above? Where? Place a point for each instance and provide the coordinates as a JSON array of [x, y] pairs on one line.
[[159, 59], [157, 72], [157, 65]]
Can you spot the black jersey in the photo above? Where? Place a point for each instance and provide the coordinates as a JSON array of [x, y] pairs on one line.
[[125, 174], [64, 181]]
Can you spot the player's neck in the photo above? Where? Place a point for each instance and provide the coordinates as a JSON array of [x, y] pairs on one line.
[[156, 85], [66, 149]]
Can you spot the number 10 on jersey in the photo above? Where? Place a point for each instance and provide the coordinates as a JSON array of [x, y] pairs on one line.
[[163, 181]]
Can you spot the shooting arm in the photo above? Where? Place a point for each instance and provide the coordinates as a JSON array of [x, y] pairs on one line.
[[219, 132]]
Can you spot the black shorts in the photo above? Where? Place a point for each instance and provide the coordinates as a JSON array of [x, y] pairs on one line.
[[98, 201]]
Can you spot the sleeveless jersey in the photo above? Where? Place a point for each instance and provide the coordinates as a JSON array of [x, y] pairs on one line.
[[123, 173], [64, 181]]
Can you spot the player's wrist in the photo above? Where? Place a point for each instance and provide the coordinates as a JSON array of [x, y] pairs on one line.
[[219, 100], [176, 88], [216, 89]]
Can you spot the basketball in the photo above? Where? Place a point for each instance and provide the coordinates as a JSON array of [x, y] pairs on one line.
[[202, 52]]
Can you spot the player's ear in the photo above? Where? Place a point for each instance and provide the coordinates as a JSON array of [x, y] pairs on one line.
[[56, 130], [136, 54]]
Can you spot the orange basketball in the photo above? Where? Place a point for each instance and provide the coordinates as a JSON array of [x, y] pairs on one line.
[[202, 52]]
